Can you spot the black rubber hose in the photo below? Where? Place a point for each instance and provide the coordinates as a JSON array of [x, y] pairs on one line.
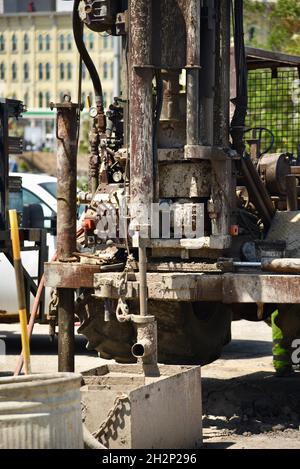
[[261, 130], [77, 31]]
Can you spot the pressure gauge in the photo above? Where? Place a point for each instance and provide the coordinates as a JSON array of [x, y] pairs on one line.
[[117, 176], [93, 112]]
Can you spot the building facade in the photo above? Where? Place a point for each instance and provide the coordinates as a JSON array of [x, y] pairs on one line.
[[39, 61]]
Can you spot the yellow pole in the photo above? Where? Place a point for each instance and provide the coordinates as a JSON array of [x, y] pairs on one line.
[[20, 288]]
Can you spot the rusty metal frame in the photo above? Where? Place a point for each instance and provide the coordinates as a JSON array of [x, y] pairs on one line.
[[246, 287]]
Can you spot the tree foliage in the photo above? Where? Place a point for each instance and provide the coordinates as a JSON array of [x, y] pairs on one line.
[[277, 24], [285, 31]]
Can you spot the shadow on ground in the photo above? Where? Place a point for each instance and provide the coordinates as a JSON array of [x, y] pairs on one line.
[[42, 345], [241, 349], [254, 403]]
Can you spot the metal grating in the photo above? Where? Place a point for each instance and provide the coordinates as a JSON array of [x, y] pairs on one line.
[[274, 103]]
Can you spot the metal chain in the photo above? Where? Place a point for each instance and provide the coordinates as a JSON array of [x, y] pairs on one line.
[[124, 276], [122, 311], [114, 411], [53, 304]]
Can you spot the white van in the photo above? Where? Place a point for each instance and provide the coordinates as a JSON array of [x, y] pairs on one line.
[[41, 190]]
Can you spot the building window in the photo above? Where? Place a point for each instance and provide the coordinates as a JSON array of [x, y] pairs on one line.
[[26, 42], [62, 71], [2, 43], [14, 43], [41, 99], [2, 71], [14, 71], [47, 98], [91, 41], [69, 72], [26, 71], [104, 99], [40, 42], [26, 99], [69, 42], [62, 42], [105, 71], [41, 72], [48, 42], [83, 99], [48, 71]]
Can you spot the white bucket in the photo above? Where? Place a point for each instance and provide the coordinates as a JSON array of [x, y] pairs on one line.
[[41, 412]]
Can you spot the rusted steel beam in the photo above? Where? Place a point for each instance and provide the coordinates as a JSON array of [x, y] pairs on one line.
[[141, 107], [66, 336], [222, 86], [181, 286], [66, 178], [230, 288], [222, 193], [71, 275], [261, 288]]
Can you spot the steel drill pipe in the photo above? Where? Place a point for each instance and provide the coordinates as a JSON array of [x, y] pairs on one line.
[[66, 337], [143, 281], [193, 72], [66, 179], [222, 89], [141, 109]]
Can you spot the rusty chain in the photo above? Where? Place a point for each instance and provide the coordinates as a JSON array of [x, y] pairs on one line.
[[124, 275], [106, 424], [122, 311]]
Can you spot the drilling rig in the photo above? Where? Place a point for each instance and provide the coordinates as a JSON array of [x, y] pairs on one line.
[[187, 226]]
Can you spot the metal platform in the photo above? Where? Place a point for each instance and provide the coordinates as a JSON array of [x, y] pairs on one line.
[[244, 287]]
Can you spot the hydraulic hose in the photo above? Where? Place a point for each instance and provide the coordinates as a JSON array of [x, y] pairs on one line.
[[77, 31]]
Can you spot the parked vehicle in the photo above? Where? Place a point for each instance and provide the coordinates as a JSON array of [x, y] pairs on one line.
[[36, 190]]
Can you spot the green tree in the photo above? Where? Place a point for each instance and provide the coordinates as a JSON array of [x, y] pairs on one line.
[[285, 31]]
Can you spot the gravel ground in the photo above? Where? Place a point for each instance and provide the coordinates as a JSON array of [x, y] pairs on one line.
[[244, 405]]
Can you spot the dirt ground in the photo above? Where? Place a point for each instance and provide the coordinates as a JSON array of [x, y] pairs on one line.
[[244, 405]]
